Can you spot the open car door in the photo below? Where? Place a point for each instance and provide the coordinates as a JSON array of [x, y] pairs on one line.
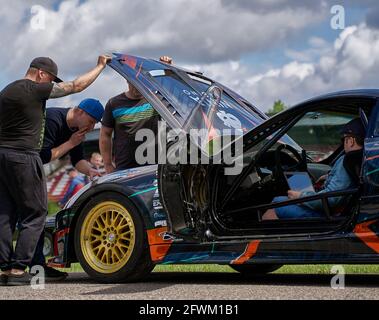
[[187, 101]]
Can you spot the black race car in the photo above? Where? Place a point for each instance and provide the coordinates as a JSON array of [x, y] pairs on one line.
[[121, 225]]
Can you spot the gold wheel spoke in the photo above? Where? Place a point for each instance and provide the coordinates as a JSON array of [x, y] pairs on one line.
[[96, 239], [114, 216], [124, 229], [109, 218], [100, 253], [96, 229], [103, 220], [100, 222], [118, 220], [95, 236], [121, 245], [125, 236], [121, 224], [111, 257], [104, 255], [114, 255], [107, 261], [98, 249], [118, 253]]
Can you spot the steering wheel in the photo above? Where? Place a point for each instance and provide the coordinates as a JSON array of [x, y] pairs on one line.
[[300, 162]]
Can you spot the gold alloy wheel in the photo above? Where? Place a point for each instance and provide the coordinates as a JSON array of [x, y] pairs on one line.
[[107, 237]]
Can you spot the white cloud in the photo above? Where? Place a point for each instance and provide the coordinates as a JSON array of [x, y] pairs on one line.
[[211, 35], [351, 62], [190, 30], [317, 48]]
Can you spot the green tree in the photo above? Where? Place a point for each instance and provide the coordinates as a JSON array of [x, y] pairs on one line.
[[276, 108]]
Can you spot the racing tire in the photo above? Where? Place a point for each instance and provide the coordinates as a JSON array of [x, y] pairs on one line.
[[110, 240], [255, 269]]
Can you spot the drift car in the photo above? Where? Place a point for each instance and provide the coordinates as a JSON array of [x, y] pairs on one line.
[[123, 224]]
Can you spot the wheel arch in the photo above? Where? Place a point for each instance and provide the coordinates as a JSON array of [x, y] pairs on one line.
[[124, 191]]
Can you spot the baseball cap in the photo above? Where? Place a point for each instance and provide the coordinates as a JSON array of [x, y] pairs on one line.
[[46, 64], [93, 107], [354, 127]]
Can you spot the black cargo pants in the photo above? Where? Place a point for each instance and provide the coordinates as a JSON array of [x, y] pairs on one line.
[[23, 199]]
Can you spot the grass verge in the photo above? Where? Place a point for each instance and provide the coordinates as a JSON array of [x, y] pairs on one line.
[[291, 269]]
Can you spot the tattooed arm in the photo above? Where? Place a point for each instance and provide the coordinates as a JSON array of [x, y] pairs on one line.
[[79, 84]]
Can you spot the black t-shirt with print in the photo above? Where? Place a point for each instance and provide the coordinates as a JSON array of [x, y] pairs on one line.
[[126, 117], [22, 114]]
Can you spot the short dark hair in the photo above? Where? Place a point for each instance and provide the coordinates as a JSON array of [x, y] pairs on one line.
[[69, 170]]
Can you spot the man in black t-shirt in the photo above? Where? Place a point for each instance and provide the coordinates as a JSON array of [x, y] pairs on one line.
[[23, 195], [124, 115]]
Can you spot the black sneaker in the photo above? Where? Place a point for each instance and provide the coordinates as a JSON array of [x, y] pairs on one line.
[[52, 274], [18, 280]]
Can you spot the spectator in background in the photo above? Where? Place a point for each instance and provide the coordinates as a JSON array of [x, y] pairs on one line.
[[77, 182], [96, 162]]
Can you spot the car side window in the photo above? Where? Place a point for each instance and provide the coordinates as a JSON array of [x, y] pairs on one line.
[[318, 132]]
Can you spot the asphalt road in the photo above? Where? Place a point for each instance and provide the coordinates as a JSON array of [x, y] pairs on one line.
[[170, 285]]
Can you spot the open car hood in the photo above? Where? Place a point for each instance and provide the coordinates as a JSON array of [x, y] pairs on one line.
[[188, 100]]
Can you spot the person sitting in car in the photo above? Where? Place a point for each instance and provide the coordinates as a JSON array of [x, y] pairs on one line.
[[343, 175]]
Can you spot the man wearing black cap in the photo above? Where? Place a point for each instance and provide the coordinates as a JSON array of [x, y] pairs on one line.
[[23, 195], [343, 175]]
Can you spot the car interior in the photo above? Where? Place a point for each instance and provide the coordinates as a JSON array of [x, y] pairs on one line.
[[277, 163]]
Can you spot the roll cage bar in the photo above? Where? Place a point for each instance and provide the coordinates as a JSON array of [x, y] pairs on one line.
[[320, 196]]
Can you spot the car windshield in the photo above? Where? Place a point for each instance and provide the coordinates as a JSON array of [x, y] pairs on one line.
[[207, 105], [204, 104]]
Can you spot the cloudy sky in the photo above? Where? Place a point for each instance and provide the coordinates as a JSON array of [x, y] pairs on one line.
[[263, 49]]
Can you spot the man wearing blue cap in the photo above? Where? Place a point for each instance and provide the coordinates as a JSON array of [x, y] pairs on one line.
[[65, 129]]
